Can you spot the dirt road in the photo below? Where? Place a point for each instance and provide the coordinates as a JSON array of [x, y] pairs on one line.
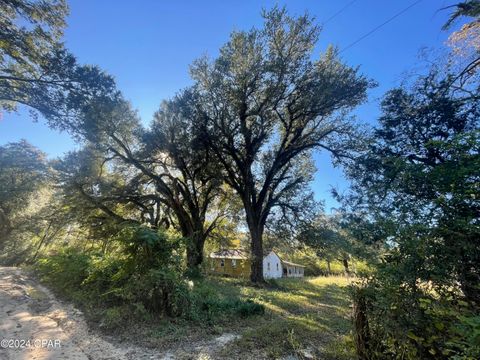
[[36, 326]]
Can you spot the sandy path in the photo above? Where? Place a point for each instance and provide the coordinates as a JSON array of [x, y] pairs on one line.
[[30, 314]]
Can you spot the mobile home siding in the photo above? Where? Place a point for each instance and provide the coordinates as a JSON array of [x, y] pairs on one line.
[[231, 267]]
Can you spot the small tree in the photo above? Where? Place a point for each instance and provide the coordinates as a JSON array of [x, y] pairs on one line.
[[332, 239]]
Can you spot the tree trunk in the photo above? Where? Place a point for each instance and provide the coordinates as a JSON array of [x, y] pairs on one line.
[[469, 280], [256, 237], [5, 226], [345, 265], [195, 251], [360, 325], [255, 227], [256, 275]]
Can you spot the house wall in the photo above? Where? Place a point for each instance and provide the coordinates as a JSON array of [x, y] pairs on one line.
[[272, 266], [295, 271], [232, 267]]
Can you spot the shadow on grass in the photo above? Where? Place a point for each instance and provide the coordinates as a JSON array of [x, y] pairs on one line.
[[310, 313], [300, 314]]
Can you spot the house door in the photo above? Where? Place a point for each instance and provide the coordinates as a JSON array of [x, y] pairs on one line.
[[284, 272]]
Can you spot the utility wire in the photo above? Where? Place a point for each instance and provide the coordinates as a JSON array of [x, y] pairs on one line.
[[380, 26], [339, 12]]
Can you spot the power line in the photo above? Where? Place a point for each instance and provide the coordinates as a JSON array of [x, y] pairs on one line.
[[339, 12], [380, 26]]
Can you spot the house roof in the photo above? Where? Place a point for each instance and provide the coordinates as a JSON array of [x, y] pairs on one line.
[[242, 254], [230, 254], [288, 263]]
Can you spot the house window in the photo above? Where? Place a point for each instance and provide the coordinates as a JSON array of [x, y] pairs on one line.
[[290, 271], [234, 263], [277, 266], [222, 262], [268, 266]]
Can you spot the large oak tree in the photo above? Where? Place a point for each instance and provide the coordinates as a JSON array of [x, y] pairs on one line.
[[266, 105], [165, 173]]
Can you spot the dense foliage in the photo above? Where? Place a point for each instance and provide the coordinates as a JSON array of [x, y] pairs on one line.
[[26, 222], [35, 68], [141, 281], [119, 225], [419, 182]]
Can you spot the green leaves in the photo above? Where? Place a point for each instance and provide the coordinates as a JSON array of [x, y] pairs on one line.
[[23, 172], [37, 71], [417, 183], [265, 106]]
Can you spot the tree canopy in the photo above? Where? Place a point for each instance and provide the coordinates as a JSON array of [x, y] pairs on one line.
[[266, 105], [35, 68]]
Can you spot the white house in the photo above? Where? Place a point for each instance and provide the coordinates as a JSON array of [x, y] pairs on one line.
[[274, 267]]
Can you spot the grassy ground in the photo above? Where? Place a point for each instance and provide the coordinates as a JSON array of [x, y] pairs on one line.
[[305, 318]]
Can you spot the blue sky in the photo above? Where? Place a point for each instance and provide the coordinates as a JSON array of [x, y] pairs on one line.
[[148, 46]]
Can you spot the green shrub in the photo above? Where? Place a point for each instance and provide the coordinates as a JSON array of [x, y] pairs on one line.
[[208, 304], [114, 317], [106, 277], [194, 274], [140, 283], [249, 308], [400, 322], [64, 271], [212, 307], [146, 272], [466, 337], [161, 291]]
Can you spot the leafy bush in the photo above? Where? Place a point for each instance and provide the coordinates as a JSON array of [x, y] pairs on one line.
[[249, 308], [209, 305], [114, 317], [161, 291], [65, 271], [466, 339], [398, 323], [143, 281], [215, 307], [145, 272]]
